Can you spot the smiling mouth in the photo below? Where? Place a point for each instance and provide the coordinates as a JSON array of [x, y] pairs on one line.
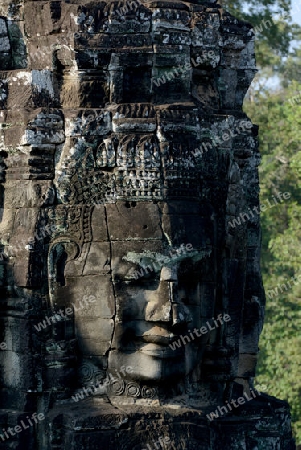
[[160, 351], [158, 335], [156, 341], [159, 340]]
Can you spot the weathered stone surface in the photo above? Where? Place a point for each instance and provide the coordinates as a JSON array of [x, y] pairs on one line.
[[129, 229]]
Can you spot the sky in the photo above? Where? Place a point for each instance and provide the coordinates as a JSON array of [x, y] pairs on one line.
[[296, 16], [296, 11]]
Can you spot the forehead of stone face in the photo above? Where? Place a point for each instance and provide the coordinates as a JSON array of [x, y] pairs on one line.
[[185, 221], [134, 220], [176, 222]]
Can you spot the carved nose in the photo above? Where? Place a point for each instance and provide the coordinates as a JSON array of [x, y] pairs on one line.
[[164, 305], [159, 307]]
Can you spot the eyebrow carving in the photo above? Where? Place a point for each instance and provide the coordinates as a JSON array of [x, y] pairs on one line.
[[158, 260]]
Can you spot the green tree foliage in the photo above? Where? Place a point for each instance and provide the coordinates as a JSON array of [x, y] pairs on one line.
[[273, 25], [279, 118], [290, 70], [278, 115]]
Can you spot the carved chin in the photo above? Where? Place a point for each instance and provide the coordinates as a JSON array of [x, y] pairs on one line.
[[154, 364]]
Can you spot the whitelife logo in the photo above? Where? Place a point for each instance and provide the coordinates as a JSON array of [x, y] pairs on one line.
[[18, 428], [203, 330], [161, 260], [161, 442], [223, 409], [245, 216], [92, 389], [62, 315], [296, 279]]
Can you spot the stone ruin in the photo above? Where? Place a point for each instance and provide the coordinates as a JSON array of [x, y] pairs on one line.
[[130, 284]]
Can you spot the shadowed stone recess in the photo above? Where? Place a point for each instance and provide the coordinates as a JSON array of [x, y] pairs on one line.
[[131, 298]]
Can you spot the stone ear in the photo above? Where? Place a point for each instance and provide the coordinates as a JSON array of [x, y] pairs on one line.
[[60, 254]]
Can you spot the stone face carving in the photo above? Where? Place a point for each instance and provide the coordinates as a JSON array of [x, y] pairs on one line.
[[127, 278]]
